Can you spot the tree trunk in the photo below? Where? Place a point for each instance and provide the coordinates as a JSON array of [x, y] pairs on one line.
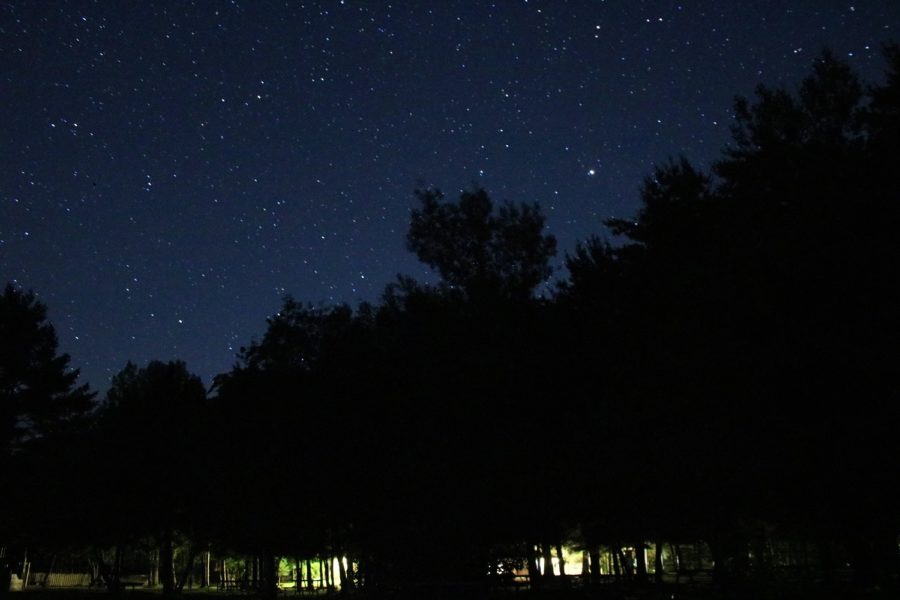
[[346, 581], [548, 560], [534, 572], [624, 564], [112, 582], [327, 572], [595, 564], [95, 572], [153, 574], [100, 570], [167, 563], [309, 577], [26, 570], [6, 573], [658, 563], [720, 566], [562, 562], [679, 562], [46, 577], [268, 571], [187, 572], [640, 556], [760, 545]]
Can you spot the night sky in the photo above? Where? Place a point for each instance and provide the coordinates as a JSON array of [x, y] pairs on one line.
[[170, 170]]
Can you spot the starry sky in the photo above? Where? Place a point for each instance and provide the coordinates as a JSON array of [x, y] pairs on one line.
[[170, 170]]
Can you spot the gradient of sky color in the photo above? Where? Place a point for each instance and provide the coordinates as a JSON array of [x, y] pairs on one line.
[[170, 170]]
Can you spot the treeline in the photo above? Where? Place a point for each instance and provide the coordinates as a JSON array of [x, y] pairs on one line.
[[727, 371]]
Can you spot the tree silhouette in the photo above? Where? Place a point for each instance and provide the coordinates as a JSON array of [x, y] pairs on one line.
[[726, 373], [826, 288], [306, 395], [471, 358], [752, 301], [152, 431], [479, 251], [40, 404], [38, 391]]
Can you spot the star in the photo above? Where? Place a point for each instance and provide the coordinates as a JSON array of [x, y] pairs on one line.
[[178, 163]]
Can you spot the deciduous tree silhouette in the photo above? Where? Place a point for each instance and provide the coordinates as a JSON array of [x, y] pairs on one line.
[[763, 302], [827, 283], [480, 251], [305, 396], [152, 433]]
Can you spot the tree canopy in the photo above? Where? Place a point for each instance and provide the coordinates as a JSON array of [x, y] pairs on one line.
[[723, 376], [479, 250], [38, 390]]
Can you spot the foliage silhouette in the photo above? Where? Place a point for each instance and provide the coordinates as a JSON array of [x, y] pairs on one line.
[[40, 403], [151, 431], [763, 304], [38, 390], [479, 251]]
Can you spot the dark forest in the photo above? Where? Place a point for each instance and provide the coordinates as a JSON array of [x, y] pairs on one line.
[[711, 393]]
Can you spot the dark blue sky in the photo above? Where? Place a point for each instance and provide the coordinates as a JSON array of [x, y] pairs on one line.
[[169, 170]]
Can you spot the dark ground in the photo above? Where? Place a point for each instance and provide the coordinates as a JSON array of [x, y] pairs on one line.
[[811, 591]]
